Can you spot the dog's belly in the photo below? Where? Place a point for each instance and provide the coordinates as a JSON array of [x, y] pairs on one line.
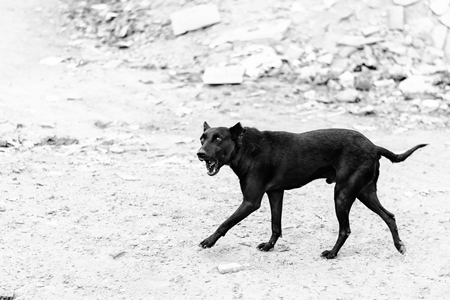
[[293, 179]]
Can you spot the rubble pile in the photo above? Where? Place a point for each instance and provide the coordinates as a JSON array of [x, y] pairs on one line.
[[401, 56]]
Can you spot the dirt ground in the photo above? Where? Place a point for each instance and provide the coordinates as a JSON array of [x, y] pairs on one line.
[[120, 215]]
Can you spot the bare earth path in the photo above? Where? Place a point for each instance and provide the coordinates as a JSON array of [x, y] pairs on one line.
[[120, 215]]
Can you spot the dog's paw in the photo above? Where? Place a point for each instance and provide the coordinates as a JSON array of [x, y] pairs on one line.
[[265, 247], [207, 243], [401, 247], [328, 254]]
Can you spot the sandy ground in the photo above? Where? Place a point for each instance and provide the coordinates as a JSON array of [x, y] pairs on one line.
[[120, 215]]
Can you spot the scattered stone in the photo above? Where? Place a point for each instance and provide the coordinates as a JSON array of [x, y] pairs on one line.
[[416, 84], [117, 254], [405, 2], [126, 176], [358, 41], [326, 58], [57, 141], [116, 150], [439, 7], [348, 95], [334, 85], [224, 75], [396, 16], [384, 83], [231, 268], [366, 31], [431, 104], [346, 51], [347, 79], [445, 19], [329, 3], [363, 111], [194, 18], [310, 95], [273, 30], [394, 47], [439, 35], [363, 81], [263, 59], [52, 60]]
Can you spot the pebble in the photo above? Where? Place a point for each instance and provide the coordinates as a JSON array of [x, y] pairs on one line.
[[231, 268], [348, 95]]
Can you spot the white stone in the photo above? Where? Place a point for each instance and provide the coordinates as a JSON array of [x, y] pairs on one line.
[[416, 84], [347, 79], [439, 7], [223, 75], [193, 18], [405, 2]]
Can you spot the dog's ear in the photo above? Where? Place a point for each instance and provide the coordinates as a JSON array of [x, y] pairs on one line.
[[205, 126], [237, 131]]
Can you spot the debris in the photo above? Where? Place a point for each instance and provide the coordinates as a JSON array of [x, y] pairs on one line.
[[57, 141], [329, 3], [439, 35], [396, 16], [366, 31], [405, 2], [52, 60], [416, 84], [439, 7], [347, 79], [364, 111], [363, 82], [194, 18], [126, 177], [358, 41], [116, 150], [5, 144], [223, 75], [273, 30], [348, 95], [263, 59], [326, 58], [231, 268], [430, 104]]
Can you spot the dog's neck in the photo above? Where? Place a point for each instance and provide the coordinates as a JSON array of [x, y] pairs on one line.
[[247, 146]]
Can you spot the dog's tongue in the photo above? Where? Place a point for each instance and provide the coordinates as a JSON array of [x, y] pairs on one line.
[[212, 168]]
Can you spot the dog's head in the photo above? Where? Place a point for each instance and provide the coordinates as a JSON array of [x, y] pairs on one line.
[[218, 145]]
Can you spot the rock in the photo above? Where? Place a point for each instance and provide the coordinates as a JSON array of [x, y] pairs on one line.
[[397, 73], [405, 2], [348, 95], [445, 19], [416, 84], [384, 83], [293, 53], [439, 35], [273, 30], [346, 51], [347, 79], [396, 16], [223, 75], [326, 58], [363, 81], [194, 18], [52, 60], [439, 7], [366, 31], [430, 104], [338, 66], [334, 85], [394, 47], [230, 268], [358, 41], [262, 60]]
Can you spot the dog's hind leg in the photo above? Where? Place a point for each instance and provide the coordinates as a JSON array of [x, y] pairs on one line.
[[345, 193], [276, 207], [370, 199]]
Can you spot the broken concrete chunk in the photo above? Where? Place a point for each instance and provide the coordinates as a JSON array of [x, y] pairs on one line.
[[358, 41], [405, 2], [396, 17], [439, 35], [369, 30], [439, 7], [262, 59], [224, 75], [194, 18], [347, 79], [348, 95], [445, 19], [273, 30], [230, 268], [416, 85]]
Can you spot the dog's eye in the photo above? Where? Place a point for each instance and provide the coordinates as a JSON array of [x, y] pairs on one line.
[[202, 141], [218, 139]]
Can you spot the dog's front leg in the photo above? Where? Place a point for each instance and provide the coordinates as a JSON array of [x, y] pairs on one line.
[[252, 201], [276, 206]]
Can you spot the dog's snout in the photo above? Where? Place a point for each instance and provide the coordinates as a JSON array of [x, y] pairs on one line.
[[201, 154]]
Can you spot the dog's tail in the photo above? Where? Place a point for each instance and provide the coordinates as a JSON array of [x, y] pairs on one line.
[[395, 158]]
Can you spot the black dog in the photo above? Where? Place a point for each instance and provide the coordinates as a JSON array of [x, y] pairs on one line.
[[274, 161]]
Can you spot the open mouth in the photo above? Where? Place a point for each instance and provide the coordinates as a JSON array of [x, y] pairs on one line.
[[212, 167]]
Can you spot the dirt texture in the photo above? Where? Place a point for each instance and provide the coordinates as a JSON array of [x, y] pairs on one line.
[[103, 196]]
